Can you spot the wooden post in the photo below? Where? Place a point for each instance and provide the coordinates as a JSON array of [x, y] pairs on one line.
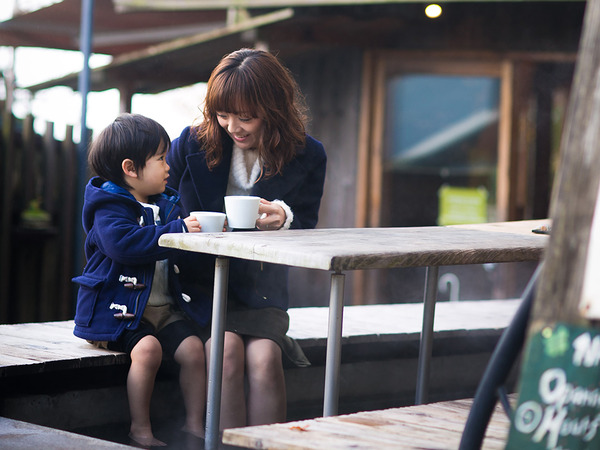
[[126, 92], [66, 224], [48, 246], [49, 171], [26, 160], [559, 391], [6, 206], [576, 187]]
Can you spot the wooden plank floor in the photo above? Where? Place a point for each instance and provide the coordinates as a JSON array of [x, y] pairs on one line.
[[432, 426]]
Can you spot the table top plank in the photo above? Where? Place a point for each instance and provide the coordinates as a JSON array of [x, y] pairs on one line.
[[340, 249], [517, 226]]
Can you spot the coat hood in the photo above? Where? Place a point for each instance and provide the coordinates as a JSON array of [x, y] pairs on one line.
[[99, 192]]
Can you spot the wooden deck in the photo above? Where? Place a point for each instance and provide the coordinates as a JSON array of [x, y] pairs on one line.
[[432, 426], [48, 376]]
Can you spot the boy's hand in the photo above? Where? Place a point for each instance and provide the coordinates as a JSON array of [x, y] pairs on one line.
[[192, 224]]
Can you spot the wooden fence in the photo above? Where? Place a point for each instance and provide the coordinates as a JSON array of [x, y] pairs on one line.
[[37, 257]]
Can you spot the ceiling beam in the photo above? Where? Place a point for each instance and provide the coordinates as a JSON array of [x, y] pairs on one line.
[[147, 55], [172, 5]]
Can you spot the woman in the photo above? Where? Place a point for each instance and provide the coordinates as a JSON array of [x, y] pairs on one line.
[[252, 142]]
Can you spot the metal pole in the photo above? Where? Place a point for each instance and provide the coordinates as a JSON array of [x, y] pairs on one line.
[[217, 344], [334, 345], [431, 291], [85, 46]]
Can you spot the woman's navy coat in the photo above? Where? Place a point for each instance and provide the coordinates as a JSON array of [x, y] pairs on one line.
[[300, 186]]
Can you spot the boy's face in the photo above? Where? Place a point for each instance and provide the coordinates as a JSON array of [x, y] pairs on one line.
[[152, 179]]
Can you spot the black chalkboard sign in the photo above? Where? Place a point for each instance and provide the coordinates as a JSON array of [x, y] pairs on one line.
[[559, 392]]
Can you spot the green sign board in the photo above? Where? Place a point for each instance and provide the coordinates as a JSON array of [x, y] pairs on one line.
[[458, 205], [559, 392]]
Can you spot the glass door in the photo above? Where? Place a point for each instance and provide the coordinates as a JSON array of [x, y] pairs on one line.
[[440, 149]]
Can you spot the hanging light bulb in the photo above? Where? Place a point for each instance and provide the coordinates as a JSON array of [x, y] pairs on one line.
[[433, 11]]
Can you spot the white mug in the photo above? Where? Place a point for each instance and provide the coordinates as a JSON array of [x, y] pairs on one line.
[[211, 222], [242, 210]]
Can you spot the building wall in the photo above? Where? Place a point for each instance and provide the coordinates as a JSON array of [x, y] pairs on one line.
[[330, 81], [330, 76]]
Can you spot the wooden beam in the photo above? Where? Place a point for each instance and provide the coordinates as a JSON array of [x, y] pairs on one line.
[[505, 130], [7, 160], [561, 361], [363, 165], [171, 5], [576, 186], [364, 141], [154, 51], [376, 159], [67, 224]]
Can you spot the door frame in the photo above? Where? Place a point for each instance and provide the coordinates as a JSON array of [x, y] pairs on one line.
[[378, 67]]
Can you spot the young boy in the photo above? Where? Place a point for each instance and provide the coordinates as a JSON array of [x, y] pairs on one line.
[[129, 297]]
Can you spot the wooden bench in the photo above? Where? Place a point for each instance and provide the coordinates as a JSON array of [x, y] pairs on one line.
[[49, 346], [431, 426], [35, 348], [48, 376]]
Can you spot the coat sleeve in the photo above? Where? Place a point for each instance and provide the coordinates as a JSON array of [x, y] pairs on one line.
[[305, 204], [124, 240]]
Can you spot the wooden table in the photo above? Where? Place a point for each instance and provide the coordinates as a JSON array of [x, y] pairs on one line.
[[341, 249]]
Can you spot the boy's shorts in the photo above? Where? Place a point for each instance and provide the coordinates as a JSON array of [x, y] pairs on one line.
[[170, 336]]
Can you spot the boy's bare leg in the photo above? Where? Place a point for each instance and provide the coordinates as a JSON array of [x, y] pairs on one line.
[[192, 379], [266, 382], [146, 358]]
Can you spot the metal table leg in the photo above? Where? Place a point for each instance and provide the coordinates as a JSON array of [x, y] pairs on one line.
[[215, 374], [431, 291], [334, 345]]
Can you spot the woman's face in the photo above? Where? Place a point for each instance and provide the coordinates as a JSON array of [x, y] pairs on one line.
[[243, 129]]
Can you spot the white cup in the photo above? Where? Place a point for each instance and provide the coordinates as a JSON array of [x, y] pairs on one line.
[[242, 210], [211, 222]]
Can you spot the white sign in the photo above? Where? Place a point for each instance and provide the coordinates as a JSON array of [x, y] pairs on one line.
[[590, 299]]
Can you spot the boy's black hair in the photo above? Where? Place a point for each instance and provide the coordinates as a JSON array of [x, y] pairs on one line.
[[130, 136]]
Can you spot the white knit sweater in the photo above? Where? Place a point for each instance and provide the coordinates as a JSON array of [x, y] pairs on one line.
[[244, 173]]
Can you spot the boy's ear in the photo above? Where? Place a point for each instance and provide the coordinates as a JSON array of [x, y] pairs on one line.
[[129, 168]]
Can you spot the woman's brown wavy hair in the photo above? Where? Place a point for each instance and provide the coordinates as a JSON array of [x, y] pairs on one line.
[[255, 83]]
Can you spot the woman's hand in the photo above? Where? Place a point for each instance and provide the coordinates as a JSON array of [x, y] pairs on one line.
[[271, 216]]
